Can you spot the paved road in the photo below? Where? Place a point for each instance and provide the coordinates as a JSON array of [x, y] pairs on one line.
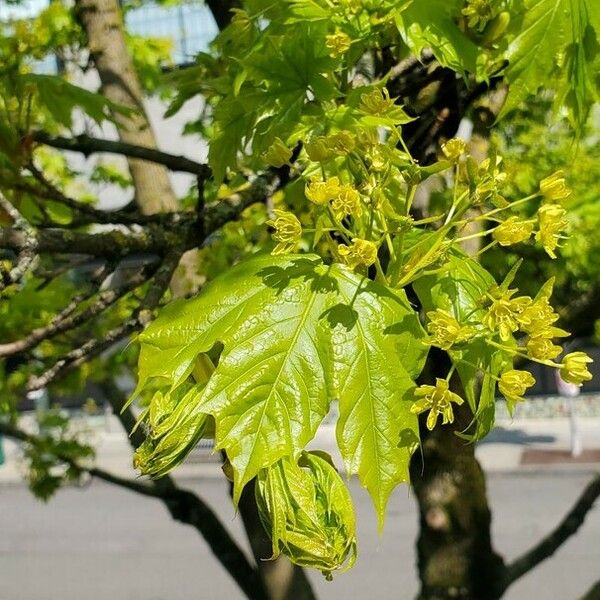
[[103, 543]]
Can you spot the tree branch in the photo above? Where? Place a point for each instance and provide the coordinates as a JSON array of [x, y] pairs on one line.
[[87, 145], [26, 252], [552, 542], [67, 320]]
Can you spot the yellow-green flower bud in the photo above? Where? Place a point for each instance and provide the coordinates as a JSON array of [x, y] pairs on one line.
[[318, 149], [542, 348], [446, 331], [453, 149], [341, 142], [574, 368], [338, 43], [307, 511], [554, 188], [479, 13], [288, 231], [513, 384], [553, 222], [512, 231], [437, 400], [278, 154], [359, 253], [322, 192]]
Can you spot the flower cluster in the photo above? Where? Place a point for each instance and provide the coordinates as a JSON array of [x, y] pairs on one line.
[[338, 43], [437, 399], [359, 253], [446, 331]]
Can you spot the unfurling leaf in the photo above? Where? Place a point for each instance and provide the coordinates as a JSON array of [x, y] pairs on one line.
[[175, 425], [307, 511]]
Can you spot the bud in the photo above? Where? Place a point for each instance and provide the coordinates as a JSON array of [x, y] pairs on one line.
[[513, 384], [338, 43], [175, 425], [552, 222], [554, 188], [307, 511], [512, 231], [318, 149]]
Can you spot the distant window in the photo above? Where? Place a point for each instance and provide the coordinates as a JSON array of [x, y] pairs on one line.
[[189, 24]]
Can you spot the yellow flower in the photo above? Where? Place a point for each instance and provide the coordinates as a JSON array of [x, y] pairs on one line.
[[513, 384], [512, 231], [446, 330], [553, 222], [318, 149], [287, 231], [321, 192], [554, 187], [574, 368], [437, 400], [503, 313], [359, 253], [278, 154], [338, 43], [479, 13], [347, 202], [453, 149], [542, 348], [537, 318], [376, 102]]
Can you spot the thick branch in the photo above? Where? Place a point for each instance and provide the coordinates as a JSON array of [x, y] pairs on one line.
[[551, 543], [87, 145]]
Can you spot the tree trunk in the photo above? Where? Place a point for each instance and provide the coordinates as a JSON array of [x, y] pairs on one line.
[[103, 25], [455, 555]]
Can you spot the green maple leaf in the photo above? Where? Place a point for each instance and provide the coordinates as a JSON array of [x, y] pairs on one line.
[[432, 25], [556, 45], [297, 334]]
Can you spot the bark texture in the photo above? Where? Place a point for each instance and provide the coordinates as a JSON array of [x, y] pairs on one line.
[[103, 25]]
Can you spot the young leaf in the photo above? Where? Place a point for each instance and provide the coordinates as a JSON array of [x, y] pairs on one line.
[[296, 334], [556, 45]]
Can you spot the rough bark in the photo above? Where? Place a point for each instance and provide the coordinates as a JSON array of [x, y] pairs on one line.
[[455, 554], [103, 25]]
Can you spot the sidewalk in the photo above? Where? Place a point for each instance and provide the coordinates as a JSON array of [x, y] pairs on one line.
[[501, 451]]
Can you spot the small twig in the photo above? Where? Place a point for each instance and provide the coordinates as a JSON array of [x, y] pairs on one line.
[[94, 347], [552, 542], [66, 320]]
